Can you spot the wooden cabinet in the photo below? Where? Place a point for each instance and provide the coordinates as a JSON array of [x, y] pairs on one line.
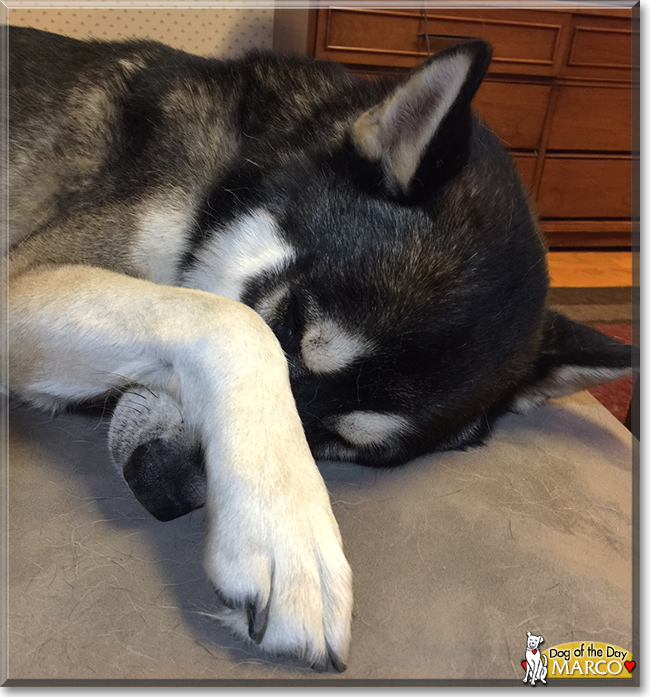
[[516, 110], [558, 93], [398, 38], [592, 118], [583, 187]]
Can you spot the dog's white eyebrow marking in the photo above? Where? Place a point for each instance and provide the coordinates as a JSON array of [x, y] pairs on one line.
[[248, 246], [365, 428], [326, 347]]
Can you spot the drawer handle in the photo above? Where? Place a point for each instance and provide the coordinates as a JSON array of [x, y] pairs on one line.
[[427, 34]]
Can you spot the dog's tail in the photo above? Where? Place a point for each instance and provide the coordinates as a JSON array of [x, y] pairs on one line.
[[544, 660]]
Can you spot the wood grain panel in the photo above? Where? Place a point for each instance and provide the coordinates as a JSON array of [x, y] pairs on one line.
[[526, 166], [590, 269], [589, 187], [601, 48], [387, 33], [574, 234], [592, 118], [373, 37], [514, 111]]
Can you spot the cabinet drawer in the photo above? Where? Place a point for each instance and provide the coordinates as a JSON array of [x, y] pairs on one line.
[[527, 41], [587, 233], [600, 47], [586, 187], [514, 111], [526, 166], [592, 118]]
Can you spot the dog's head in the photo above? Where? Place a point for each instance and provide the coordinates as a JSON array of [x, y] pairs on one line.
[[532, 642], [406, 278]]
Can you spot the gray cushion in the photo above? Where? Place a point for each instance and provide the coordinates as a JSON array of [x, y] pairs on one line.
[[455, 557]]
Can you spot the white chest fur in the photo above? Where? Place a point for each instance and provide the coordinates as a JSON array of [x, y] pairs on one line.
[[162, 239]]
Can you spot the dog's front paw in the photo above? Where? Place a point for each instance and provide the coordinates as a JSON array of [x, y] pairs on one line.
[[279, 570], [161, 460]]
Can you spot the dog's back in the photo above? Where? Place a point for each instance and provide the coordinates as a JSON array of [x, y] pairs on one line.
[[94, 121]]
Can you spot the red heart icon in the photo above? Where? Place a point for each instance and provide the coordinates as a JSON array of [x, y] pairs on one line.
[[534, 651], [524, 665], [630, 665]]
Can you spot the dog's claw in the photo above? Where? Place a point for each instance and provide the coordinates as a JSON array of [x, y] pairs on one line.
[[321, 665], [227, 602], [257, 621], [338, 665]]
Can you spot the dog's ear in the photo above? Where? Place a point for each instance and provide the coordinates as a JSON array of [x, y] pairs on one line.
[[574, 357], [420, 134]]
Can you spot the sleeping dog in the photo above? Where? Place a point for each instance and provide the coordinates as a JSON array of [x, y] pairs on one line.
[[268, 261]]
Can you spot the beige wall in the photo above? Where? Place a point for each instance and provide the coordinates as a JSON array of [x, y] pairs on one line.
[[224, 32]]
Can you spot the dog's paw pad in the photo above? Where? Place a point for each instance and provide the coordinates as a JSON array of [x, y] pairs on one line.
[[168, 480]]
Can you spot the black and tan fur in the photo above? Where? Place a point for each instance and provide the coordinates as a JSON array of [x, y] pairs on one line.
[[273, 261]]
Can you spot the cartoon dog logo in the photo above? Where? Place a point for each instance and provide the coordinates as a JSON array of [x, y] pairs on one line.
[[535, 664]]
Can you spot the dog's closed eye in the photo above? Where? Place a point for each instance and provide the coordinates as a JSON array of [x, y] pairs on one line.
[[288, 324]]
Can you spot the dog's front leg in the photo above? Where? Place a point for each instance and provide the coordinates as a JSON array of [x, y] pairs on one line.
[[273, 550]]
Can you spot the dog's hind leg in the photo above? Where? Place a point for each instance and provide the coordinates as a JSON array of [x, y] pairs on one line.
[[159, 456], [273, 549]]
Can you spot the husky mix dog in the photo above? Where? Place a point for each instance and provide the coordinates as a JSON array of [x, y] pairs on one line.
[[270, 260]]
